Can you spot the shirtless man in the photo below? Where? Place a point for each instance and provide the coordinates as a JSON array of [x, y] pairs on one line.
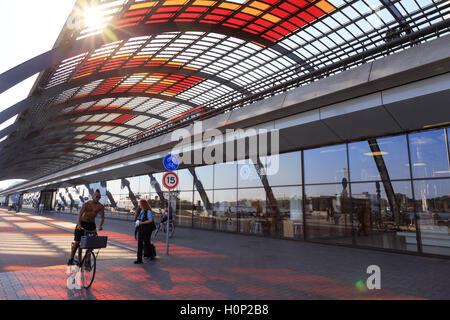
[[86, 221]]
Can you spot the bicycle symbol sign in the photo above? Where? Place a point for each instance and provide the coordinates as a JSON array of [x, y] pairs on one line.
[[171, 162], [170, 180]]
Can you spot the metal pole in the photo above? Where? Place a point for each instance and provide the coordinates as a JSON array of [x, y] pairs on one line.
[[167, 225]]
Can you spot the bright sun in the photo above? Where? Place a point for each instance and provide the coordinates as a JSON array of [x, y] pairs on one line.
[[92, 17]]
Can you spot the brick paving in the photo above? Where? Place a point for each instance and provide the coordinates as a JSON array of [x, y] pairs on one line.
[[203, 265]]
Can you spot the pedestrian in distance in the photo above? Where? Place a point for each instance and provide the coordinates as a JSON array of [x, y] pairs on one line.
[[145, 225], [41, 208]]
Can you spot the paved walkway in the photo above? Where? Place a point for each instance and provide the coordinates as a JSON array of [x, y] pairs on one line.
[[204, 265]]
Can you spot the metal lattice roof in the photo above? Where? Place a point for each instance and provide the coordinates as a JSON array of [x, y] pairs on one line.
[[148, 66]]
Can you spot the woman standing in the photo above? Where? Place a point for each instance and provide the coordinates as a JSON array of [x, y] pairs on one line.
[[145, 226]]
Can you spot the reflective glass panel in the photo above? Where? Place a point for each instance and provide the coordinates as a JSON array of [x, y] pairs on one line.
[[225, 207], [205, 175], [327, 214], [144, 184], [225, 175], [429, 155], [289, 206], [327, 164], [284, 169], [383, 214], [368, 158], [203, 209], [252, 211], [156, 182], [433, 209], [114, 186], [184, 208], [249, 173], [186, 181]]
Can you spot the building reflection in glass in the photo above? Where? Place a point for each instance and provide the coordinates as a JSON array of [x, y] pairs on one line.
[[433, 209], [326, 165], [252, 209], [184, 207], [382, 222], [328, 213], [429, 154], [392, 150], [367, 203], [203, 210], [225, 210]]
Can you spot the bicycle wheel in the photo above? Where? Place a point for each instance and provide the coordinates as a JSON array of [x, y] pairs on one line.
[[88, 267], [155, 233]]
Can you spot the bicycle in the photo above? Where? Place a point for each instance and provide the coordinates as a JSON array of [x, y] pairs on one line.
[[87, 264], [162, 226]]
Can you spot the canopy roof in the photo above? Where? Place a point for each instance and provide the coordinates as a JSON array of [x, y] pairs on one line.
[[151, 66]]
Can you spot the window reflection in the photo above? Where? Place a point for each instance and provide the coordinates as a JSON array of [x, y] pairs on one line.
[[429, 154], [205, 175], [289, 204], [253, 212], [225, 175], [327, 211], [186, 181], [225, 208], [383, 214], [327, 164], [249, 173], [433, 209], [203, 209], [283, 169], [114, 186], [369, 158], [183, 210], [144, 184]]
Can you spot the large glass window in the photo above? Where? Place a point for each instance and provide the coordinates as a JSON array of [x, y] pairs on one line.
[[433, 209], [186, 181], [114, 186], [144, 185], [225, 208], [429, 155], [383, 214], [253, 212], [369, 158], [284, 169], [327, 213], [183, 210], [225, 175], [326, 165], [205, 175], [203, 209], [249, 173], [289, 206]]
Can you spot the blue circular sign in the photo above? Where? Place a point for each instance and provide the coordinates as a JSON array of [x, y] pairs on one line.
[[171, 162]]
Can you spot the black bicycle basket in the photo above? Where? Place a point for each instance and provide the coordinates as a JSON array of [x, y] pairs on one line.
[[93, 242]]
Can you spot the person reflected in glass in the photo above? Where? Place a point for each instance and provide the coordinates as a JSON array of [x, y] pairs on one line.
[[361, 220]]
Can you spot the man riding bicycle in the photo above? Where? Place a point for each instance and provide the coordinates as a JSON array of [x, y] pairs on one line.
[[86, 221]]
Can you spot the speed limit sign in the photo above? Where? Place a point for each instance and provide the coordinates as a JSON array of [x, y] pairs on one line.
[[170, 180]]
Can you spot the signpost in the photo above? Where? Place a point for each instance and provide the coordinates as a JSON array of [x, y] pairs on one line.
[[170, 181]]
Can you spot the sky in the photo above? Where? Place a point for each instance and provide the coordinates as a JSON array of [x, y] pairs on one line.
[[28, 28]]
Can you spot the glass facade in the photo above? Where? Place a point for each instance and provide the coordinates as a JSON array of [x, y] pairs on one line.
[[386, 193]]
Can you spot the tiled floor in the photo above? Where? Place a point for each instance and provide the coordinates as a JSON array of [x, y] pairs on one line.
[[204, 265]]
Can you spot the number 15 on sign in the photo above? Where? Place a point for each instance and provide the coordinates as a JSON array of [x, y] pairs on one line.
[[170, 180]]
